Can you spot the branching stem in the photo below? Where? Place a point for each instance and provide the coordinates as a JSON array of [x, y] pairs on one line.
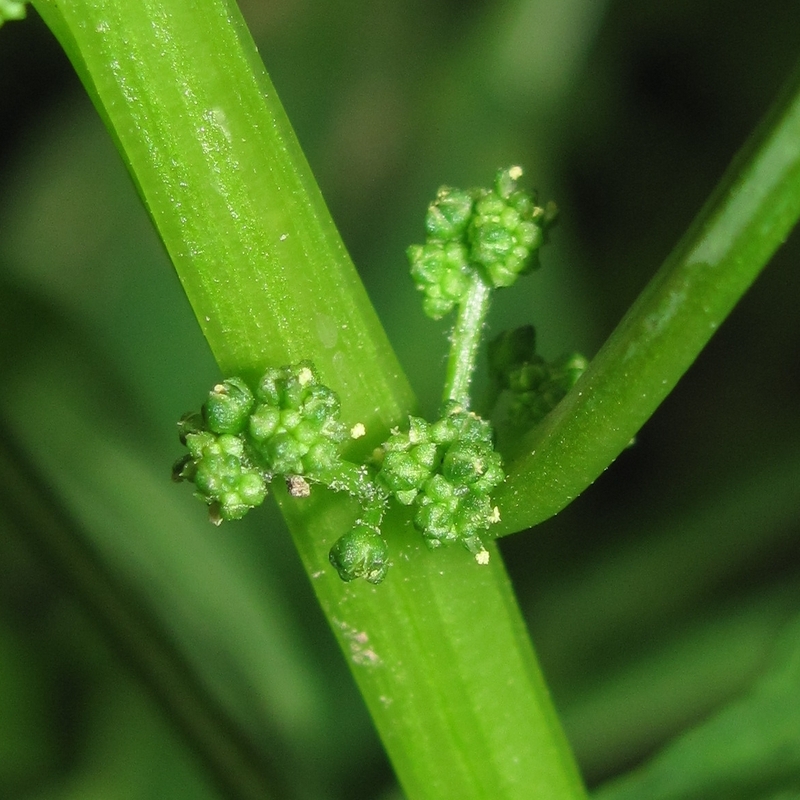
[[465, 341]]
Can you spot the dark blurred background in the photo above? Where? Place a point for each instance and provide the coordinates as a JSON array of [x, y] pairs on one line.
[[653, 600]]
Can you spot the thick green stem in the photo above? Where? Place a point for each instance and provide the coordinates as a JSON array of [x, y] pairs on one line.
[[439, 650], [466, 339], [746, 219]]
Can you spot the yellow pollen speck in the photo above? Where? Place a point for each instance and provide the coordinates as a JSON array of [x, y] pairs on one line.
[[305, 376], [358, 430], [482, 556], [515, 173]]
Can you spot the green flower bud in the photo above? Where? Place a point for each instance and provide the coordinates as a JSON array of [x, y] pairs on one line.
[[198, 443], [437, 523], [270, 390], [449, 215], [228, 406], [446, 430], [252, 489], [505, 182], [284, 453], [264, 422], [473, 515], [506, 230], [402, 472], [439, 490], [320, 404], [441, 271], [465, 462], [361, 553], [322, 457], [306, 431], [419, 431], [493, 474], [290, 418]]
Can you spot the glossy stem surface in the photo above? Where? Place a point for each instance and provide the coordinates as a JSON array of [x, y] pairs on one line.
[[439, 650], [746, 219]]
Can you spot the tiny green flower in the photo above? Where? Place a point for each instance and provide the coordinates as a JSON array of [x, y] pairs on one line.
[[535, 386], [222, 474], [441, 272], [449, 215], [228, 406], [361, 553], [506, 230]]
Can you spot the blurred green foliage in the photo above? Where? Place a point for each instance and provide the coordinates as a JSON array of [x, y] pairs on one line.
[[655, 600]]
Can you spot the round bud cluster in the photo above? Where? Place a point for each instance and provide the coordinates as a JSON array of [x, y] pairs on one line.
[[440, 267], [220, 469], [361, 553], [290, 426], [447, 469], [535, 386], [507, 229], [539, 386], [497, 231], [294, 426]]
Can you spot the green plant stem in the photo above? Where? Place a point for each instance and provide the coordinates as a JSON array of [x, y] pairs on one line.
[[747, 218], [230, 192], [439, 650], [460, 704], [465, 343]]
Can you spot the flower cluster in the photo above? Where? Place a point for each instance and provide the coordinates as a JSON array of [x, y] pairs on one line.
[[441, 267], [447, 469], [221, 470], [507, 229], [290, 426], [496, 231], [535, 386], [294, 428]]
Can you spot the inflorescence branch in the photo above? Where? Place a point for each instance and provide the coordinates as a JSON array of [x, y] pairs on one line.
[[289, 427]]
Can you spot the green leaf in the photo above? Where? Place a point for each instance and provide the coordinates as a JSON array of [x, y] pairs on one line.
[[749, 751]]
